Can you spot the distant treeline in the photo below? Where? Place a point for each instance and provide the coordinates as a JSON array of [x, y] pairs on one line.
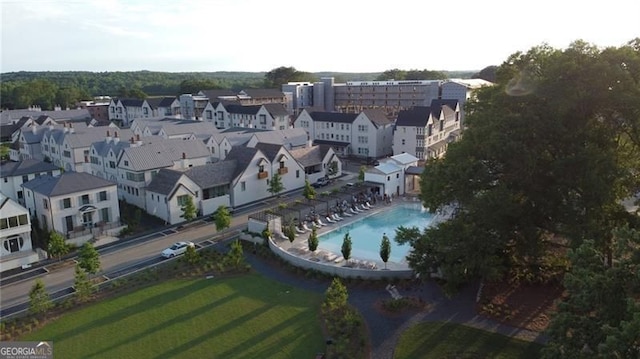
[[48, 89]]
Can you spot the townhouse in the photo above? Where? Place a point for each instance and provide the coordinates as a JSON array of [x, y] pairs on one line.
[[366, 134], [425, 132], [76, 204], [16, 248], [318, 161], [14, 174], [164, 106], [124, 111], [271, 116], [138, 165]]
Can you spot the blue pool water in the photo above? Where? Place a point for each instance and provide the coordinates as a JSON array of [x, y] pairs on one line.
[[366, 233]]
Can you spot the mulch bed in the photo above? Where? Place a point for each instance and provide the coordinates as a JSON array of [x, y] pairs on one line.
[[524, 306]]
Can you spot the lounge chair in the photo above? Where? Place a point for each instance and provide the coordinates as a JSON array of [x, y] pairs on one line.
[[352, 211], [322, 224], [330, 220], [304, 225], [336, 217], [362, 207], [345, 213], [368, 204], [300, 231]]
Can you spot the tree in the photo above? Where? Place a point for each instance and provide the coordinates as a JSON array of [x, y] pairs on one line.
[[361, 173], [346, 246], [39, 301], [89, 258], [308, 192], [282, 75], [600, 316], [82, 285], [488, 73], [222, 218], [291, 232], [385, 249], [312, 241], [57, 246], [275, 185], [538, 159], [192, 256], [235, 256], [332, 169], [336, 296], [189, 210]]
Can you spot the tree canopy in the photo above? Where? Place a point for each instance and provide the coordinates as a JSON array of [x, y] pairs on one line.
[[89, 258], [222, 218], [281, 75], [413, 74], [548, 152]]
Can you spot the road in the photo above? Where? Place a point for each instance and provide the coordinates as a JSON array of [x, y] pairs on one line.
[[120, 258]]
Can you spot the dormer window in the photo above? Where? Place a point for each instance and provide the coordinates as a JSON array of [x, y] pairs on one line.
[[261, 168]]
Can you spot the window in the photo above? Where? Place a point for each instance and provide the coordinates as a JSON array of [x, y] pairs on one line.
[[208, 114], [20, 195], [6, 180], [25, 178], [419, 130], [363, 128], [112, 164], [135, 176], [261, 168], [84, 199], [429, 130], [145, 110], [102, 196], [397, 175], [243, 186], [126, 163], [363, 139], [441, 125], [45, 203], [297, 173], [104, 214], [68, 220], [66, 203], [182, 200], [403, 141], [263, 119], [66, 153], [347, 138], [94, 160]]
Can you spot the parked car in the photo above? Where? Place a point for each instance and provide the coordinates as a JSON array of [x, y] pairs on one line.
[[177, 249], [321, 182]]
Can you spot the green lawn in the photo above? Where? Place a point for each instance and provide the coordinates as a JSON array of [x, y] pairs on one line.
[[445, 340], [242, 317]]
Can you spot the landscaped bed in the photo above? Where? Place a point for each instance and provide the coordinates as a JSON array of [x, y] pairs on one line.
[[240, 317], [446, 340]]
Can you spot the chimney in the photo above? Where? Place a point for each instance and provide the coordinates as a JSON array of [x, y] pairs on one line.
[[33, 128], [65, 129], [184, 160], [184, 156], [71, 129], [108, 138], [116, 139], [138, 141]]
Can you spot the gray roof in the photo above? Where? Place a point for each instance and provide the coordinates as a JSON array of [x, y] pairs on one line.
[[376, 116], [182, 127], [245, 110], [215, 93], [243, 156], [269, 149], [414, 170], [156, 102], [212, 174], [333, 117], [164, 153], [132, 102], [24, 167], [264, 93], [293, 137], [164, 181], [415, 117], [74, 115], [67, 183], [308, 156], [276, 109]]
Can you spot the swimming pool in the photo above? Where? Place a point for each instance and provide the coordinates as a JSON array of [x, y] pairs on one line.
[[366, 233]]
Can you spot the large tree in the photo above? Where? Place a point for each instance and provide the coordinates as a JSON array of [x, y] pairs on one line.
[[281, 75], [57, 245], [188, 208], [308, 191], [39, 300], [275, 185], [89, 258], [222, 218], [550, 150], [385, 249], [346, 246], [599, 316]]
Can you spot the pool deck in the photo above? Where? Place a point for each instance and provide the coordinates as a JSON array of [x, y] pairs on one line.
[[300, 248]]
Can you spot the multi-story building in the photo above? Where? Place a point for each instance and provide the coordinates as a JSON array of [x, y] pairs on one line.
[[426, 132], [14, 174], [16, 249], [366, 134], [73, 203], [164, 106], [271, 116], [124, 111]]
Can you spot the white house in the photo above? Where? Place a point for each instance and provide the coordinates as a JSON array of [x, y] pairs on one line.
[[164, 106], [318, 161], [14, 174], [389, 176], [409, 164], [139, 164], [426, 132], [284, 164], [208, 186], [74, 203], [16, 249], [266, 117], [367, 134], [103, 155], [124, 111]]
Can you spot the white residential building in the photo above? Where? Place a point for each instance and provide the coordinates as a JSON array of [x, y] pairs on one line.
[[16, 249], [318, 161], [367, 134], [74, 203], [124, 111], [425, 132], [14, 174], [389, 176], [270, 116], [164, 106]]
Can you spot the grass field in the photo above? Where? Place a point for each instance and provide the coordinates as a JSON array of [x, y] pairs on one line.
[[243, 317], [444, 340]]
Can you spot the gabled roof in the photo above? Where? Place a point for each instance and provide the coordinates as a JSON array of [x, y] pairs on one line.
[[308, 156], [102, 147], [292, 137], [387, 168], [215, 93], [213, 174], [404, 158], [414, 170], [164, 181], [164, 153], [270, 150], [156, 102], [66, 183], [331, 143], [132, 102], [415, 117], [195, 127], [243, 156], [244, 110], [41, 119], [263, 93], [24, 167], [276, 109], [72, 115], [333, 117], [453, 104], [376, 116]]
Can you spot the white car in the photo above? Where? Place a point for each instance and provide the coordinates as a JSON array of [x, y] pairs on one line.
[[177, 249]]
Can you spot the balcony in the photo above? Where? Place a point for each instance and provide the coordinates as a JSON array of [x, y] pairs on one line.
[[283, 171], [263, 175], [419, 137]]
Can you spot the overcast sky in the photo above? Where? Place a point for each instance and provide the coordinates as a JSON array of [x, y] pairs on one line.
[[322, 35]]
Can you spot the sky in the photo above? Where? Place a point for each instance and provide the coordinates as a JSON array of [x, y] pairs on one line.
[[312, 36]]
